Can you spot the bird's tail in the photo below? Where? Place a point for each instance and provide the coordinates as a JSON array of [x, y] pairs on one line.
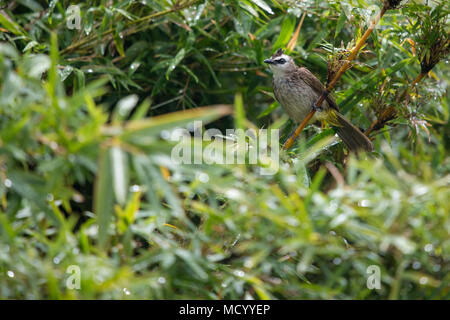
[[351, 135]]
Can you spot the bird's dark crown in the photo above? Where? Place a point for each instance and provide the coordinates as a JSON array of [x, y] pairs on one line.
[[278, 53]]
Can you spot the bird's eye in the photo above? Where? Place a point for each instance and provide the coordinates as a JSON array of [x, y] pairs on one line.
[[281, 61]]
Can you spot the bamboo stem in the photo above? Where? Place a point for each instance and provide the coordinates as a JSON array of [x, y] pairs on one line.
[[337, 76]]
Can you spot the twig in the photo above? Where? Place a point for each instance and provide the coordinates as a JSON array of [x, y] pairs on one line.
[[335, 173]]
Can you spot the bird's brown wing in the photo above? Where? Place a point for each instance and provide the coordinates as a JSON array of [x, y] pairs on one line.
[[315, 83]]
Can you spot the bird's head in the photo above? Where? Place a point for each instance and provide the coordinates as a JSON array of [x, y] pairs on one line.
[[280, 63]]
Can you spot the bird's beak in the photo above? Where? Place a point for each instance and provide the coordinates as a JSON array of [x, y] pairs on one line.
[[268, 61]]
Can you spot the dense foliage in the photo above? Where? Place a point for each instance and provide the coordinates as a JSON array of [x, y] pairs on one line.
[[86, 177]]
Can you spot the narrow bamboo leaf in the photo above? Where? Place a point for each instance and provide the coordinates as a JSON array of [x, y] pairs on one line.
[[167, 191], [120, 175], [30, 45], [387, 136], [104, 196], [80, 78], [268, 110], [319, 38], [118, 40], [11, 25], [268, 29], [175, 61], [65, 72], [262, 293], [287, 28], [263, 5], [325, 133], [53, 73], [188, 257], [193, 75], [208, 65], [124, 13], [88, 21], [239, 112], [153, 126], [8, 50], [36, 65], [31, 4], [124, 107], [132, 207], [6, 231], [247, 6], [340, 23], [142, 109]]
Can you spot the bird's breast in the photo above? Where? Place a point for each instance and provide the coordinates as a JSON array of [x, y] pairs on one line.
[[295, 96]]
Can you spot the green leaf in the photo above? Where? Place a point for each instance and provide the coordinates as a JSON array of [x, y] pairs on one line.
[[142, 109], [80, 78], [239, 112], [118, 40], [151, 127], [203, 59], [31, 4], [340, 23], [104, 196], [36, 65], [124, 108], [89, 21], [30, 45], [124, 13], [287, 28], [120, 174], [269, 109], [193, 75], [12, 26], [263, 5], [247, 6], [175, 61]]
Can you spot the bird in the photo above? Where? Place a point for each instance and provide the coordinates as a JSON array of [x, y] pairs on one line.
[[297, 89]]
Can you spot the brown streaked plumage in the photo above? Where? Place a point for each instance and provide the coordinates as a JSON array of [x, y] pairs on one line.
[[297, 89]]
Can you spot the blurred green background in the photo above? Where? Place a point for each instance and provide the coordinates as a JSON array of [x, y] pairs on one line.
[[86, 177]]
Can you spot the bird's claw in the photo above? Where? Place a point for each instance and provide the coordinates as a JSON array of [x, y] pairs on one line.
[[316, 108], [325, 93]]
